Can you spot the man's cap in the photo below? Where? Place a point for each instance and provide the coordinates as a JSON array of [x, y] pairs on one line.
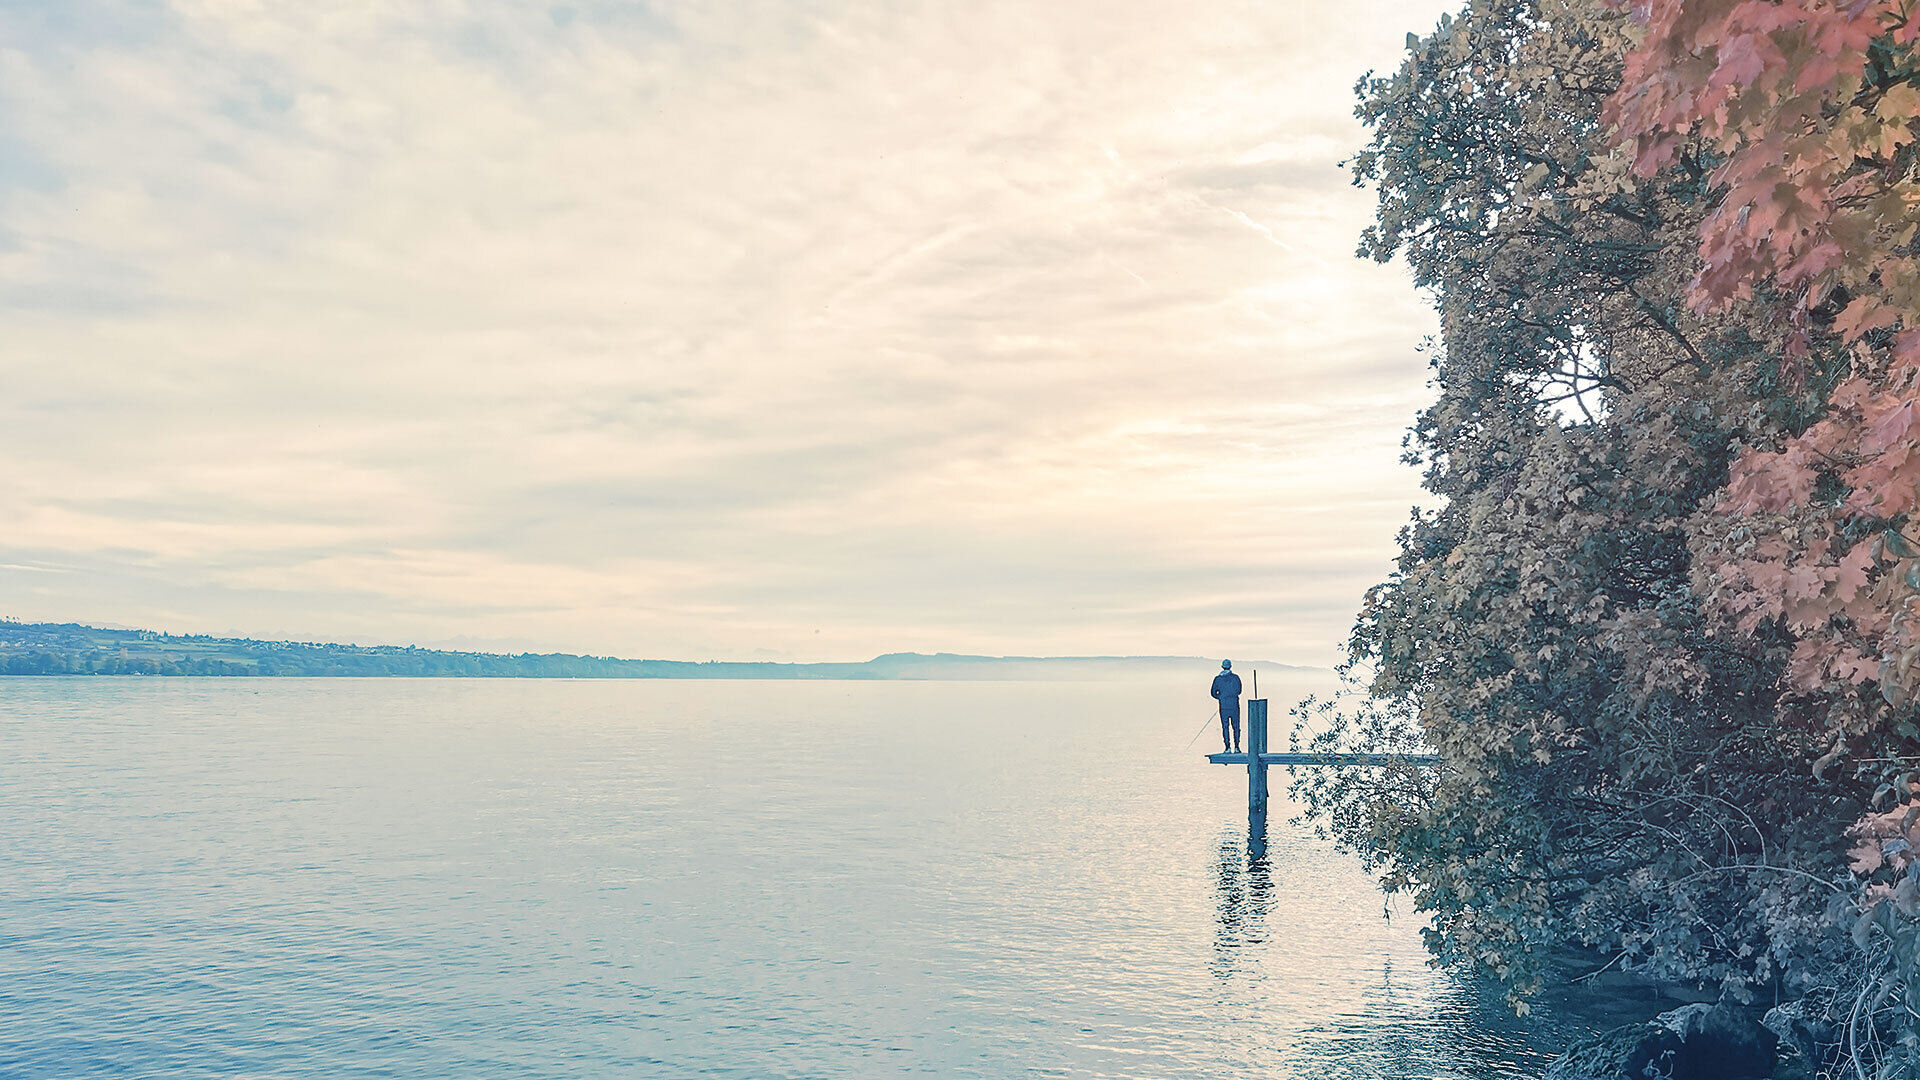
[[1226, 665]]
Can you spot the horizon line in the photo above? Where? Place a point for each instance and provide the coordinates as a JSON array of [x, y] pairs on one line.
[[1012, 658]]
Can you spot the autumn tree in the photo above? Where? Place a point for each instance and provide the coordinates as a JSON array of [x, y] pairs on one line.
[[1811, 111], [1619, 773]]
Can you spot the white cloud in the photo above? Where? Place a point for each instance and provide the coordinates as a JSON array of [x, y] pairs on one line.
[[696, 329]]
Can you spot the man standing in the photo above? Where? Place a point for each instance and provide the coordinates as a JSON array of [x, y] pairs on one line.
[[1226, 688]]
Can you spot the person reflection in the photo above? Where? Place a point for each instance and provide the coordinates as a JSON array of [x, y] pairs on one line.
[[1243, 898]]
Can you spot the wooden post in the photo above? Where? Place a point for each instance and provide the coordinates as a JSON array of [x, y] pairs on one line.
[[1256, 777], [1258, 759]]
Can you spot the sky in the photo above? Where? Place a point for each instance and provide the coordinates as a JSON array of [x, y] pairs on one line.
[[799, 329]]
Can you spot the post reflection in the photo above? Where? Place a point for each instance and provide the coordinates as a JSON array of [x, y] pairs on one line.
[[1243, 898]]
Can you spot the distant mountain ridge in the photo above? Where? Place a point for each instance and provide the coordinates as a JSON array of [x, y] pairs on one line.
[[961, 666], [72, 649]]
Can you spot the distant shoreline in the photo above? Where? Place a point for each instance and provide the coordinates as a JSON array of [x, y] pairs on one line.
[[73, 649]]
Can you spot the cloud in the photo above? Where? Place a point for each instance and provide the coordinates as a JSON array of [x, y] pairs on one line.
[[689, 329]]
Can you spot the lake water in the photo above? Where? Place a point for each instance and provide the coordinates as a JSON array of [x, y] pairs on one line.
[[494, 878]]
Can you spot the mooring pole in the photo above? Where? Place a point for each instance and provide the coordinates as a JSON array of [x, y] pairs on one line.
[[1256, 777], [1258, 759]]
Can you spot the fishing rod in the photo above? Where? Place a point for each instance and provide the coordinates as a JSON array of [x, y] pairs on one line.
[[1204, 725]]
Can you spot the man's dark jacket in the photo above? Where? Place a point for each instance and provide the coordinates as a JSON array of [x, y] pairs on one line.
[[1226, 687]]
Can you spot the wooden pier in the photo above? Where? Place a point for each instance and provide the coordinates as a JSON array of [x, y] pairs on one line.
[[1271, 758], [1258, 759]]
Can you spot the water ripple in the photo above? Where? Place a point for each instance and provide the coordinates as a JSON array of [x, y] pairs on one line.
[[388, 878]]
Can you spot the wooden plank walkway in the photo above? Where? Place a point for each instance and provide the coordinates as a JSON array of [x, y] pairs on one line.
[[1271, 758]]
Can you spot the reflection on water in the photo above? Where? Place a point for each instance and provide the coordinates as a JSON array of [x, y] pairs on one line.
[[1243, 888], [760, 881], [1411, 1021]]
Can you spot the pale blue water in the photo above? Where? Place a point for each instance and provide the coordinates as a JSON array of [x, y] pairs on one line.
[[493, 878]]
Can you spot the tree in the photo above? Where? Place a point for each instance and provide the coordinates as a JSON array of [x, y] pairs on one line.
[[1811, 109], [1619, 773]]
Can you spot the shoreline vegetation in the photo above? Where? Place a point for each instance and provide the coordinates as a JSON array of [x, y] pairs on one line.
[[73, 649], [1660, 618]]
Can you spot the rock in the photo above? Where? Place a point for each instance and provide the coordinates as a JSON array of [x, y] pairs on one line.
[[1801, 1028], [1634, 1051], [1720, 1041], [1693, 1042]]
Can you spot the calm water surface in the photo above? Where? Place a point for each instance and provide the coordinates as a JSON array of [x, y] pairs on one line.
[[493, 878]]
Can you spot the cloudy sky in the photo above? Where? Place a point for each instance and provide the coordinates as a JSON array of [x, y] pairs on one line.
[[806, 329]]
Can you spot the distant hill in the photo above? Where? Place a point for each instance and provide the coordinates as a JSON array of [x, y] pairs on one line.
[[1033, 668], [70, 649]]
